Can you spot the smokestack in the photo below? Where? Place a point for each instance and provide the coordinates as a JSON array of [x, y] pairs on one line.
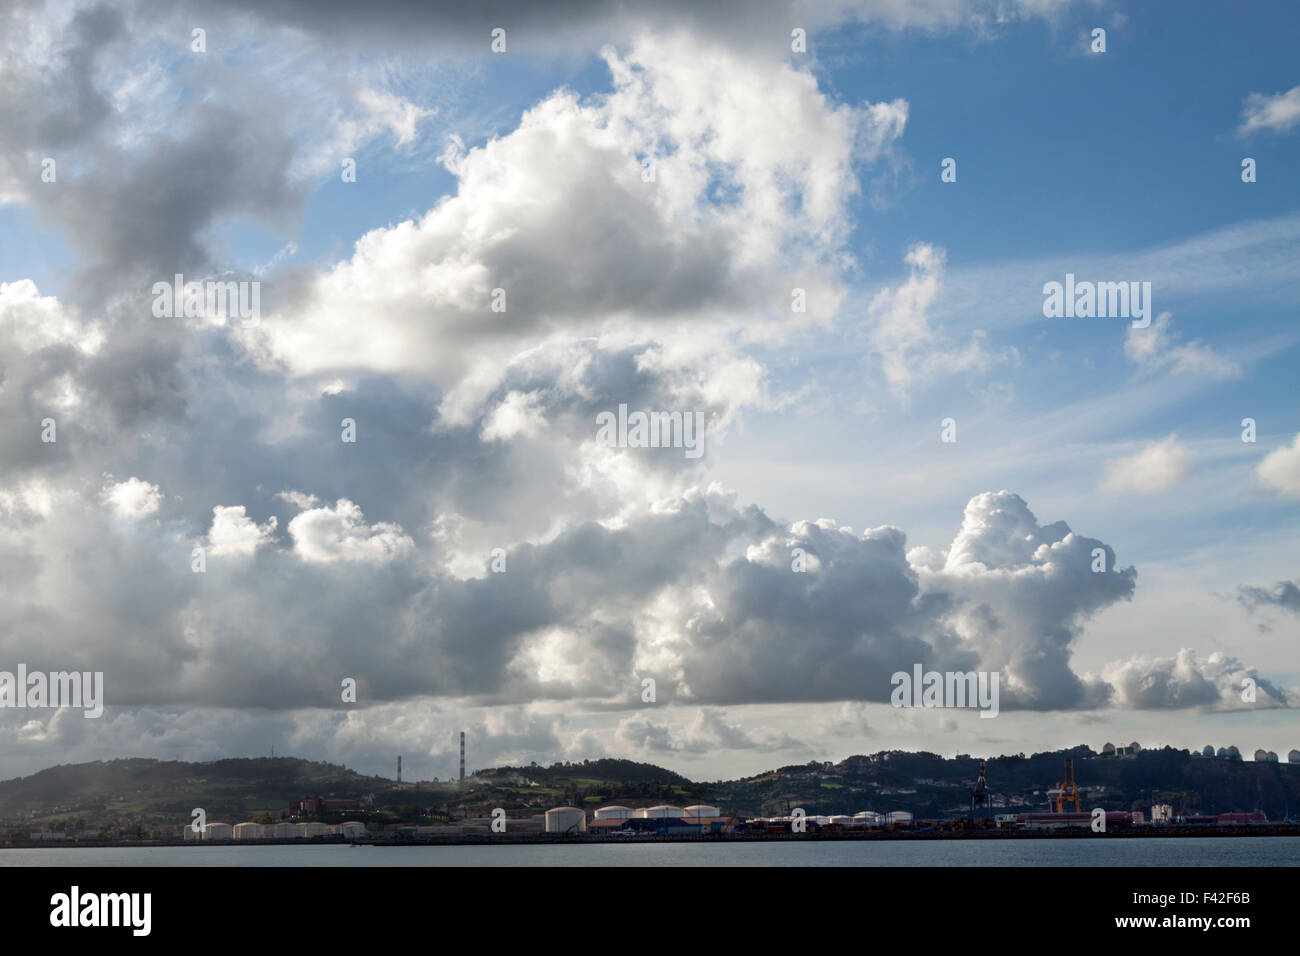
[[462, 755], [399, 768]]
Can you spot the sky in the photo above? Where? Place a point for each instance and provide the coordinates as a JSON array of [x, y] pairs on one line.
[[825, 231]]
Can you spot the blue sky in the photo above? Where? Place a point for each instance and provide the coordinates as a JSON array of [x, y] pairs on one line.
[[776, 170]]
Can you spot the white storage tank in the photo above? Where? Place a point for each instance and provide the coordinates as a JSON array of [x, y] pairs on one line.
[[839, 820], [218, 831], [1293, 757], [702, 810], [867, 818], [661, 812], [614, 812], [353, 830], [566, 820], [190, 834], [312, 829], [248, 831], [898, 817], [280, 831]]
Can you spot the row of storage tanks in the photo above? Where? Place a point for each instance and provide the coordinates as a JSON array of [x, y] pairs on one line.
[[276, 831], [566, 819], [1261, 755], [867, 818]]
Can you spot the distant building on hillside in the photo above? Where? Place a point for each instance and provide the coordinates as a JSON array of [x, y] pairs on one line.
[[314, 806]]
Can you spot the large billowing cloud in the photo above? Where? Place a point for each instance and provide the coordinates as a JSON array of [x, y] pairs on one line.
[[601, 218], [698, 594], [1184, 681], [1023, 593]]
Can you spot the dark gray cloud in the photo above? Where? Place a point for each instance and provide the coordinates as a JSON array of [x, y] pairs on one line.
[[448, 26], [1284, 595]]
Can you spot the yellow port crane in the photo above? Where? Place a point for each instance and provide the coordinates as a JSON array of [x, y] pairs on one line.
[[1067, 791]]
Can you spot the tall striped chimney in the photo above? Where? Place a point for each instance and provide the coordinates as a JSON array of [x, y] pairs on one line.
[[399, 768], [462, 755]]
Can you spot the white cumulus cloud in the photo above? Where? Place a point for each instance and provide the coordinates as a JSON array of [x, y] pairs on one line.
[[340, 534], [1280, 470], [133, 498], [1156, 467], [1279, 112], [233, 532]]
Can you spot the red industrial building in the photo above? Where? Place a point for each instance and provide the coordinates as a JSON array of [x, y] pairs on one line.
[[314, 806]]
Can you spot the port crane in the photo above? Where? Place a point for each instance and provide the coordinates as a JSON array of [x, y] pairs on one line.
[[1067, 791]]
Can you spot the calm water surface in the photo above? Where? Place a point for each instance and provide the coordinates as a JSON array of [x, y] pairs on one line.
[[1196, 851]]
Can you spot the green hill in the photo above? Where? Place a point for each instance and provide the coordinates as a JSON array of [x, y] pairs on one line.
[[145, 794]]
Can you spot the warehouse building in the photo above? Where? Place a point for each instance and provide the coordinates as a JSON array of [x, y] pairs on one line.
[[1115, 819]]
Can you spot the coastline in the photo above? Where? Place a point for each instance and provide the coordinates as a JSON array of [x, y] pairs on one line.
[[508, 839]]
